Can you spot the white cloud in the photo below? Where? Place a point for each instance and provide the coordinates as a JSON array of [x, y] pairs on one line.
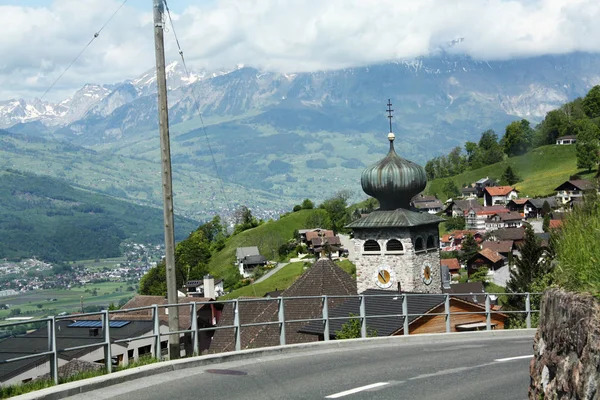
[[281, 35]]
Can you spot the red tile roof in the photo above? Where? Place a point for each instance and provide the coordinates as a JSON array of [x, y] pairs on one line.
[[310, 236], [555, 224], [452, 264], [502, 246], [499, 190], [491, 255]]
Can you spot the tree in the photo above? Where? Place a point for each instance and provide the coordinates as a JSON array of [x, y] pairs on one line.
[[591, 102], [528, 266], [297, 208], [455, 223], [509, 176], [546, 223], [351, 329], [469, 248], [430, 170], [480, 275], [456, 161], [588, 144], [336, 208], [450, 189], [554, 125], [546, 208], [318, 219], [112, 307], [518, 138], [490, 151], [307, 204], [471, 148]]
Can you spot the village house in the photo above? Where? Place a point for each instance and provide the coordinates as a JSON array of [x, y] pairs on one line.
[[503, 247], [475, 218], [517, 206], [498, 195], [306, 235], [247, 259], [429, 204], [196, 288], [458, 208], [453, 266], [487, 258], [517, 235], [572, 189], [469, 192], [534, 208], [568, 139], [453, 240], [504, 220], [483, 183], [383, 302]]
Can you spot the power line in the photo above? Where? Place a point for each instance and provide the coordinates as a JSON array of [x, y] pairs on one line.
[[83, 50], [196, 103]]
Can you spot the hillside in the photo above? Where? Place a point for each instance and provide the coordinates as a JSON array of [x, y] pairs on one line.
[[48, 219], [268, 237], [539, 170]]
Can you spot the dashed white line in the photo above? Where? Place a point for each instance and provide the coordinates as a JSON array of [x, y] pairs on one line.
[[356, 390], [513, 358]]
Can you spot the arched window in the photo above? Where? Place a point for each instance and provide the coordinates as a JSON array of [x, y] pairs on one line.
[[394, 245], [371, 245], [430, 242], [419, 244]]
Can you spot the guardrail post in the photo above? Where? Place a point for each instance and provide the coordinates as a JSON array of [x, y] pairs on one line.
[[156, 332], [363, 317], [325, 318], [107, 349], [195, 338], [51, 328], [488, 314], [405, 314], [281, 314], [236, 323], [447, 311], [528, 309]]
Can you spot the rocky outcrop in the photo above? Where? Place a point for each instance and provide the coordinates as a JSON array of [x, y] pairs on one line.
[[566, 362]]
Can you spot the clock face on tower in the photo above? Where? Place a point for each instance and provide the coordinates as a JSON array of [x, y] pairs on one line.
[[385, 277], [426, 275]]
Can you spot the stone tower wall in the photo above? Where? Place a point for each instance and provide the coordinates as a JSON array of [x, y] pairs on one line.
[[406, 266]]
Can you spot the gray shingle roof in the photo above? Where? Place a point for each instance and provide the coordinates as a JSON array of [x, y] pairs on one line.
[[242, 252], [380, 302]]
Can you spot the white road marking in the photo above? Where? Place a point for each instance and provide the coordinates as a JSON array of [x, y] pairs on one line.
[[356, 390], [513, 358]]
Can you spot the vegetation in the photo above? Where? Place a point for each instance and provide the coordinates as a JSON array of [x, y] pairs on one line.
[[469, 248], [280, 280], [351, 329], [49, 219]]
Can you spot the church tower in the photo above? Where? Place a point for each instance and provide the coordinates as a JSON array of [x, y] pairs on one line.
[[396, 246]]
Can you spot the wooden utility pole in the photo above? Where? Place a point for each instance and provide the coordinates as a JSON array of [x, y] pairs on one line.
[[167, 181]]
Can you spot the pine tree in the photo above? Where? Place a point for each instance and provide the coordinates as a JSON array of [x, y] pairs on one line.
[[546, 223], [546, 208], [509, 176], [587, 145], [469, 248]]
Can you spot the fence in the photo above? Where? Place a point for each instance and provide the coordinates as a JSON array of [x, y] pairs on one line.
[[328, 313]]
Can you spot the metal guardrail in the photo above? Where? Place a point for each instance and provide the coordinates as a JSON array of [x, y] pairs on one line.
[[53, 351]]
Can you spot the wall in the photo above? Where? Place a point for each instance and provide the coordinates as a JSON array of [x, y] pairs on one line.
[[566, 348], [437, 323]]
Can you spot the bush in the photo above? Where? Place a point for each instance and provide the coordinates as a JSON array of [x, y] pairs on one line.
[[297, 208]]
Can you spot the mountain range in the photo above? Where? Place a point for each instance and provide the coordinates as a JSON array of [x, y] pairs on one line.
[[277, 138]]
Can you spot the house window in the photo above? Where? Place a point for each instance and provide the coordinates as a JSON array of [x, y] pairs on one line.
[[394, 246], [419, 244], [371, 246], [431, 242]]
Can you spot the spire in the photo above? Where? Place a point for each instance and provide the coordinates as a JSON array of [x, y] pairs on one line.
[[391, 135]]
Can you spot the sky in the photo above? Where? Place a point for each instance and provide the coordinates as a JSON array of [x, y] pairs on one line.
[[41, 37]]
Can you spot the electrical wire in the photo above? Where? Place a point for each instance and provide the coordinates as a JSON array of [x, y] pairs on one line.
[[197, 104], [83, 50]]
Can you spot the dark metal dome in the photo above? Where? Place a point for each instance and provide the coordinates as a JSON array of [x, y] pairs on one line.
[[393, 181]]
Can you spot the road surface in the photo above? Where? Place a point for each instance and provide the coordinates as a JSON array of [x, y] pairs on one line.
[[492, 368]]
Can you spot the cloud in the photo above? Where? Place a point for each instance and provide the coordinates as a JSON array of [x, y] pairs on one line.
[[279, 35]]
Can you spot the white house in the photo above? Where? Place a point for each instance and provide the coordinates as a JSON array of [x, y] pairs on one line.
[[569, 139], [495, 195]]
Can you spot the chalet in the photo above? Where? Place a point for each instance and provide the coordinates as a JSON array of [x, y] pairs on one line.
[[323, 278], [568, 139], [469, 192], [504, 220], [250, 263], [517, 206], [452, 264], [383, 302], [429, 204], [475, 218], [503, 247], [534, 208], [483, 183], [453, 240], [306, 235], [517, 235], [572, 189], [458, 208], [325, 246], [485, 258], [498, 195], [242, 252]]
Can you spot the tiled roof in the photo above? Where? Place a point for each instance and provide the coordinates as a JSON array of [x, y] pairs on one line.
[[539, 203], [555, 224], [428, 204], [499, 190], [242, 252], [502, 246], [464, 204], [254, 260], [451, 263], [310, 236], [323, 278], [509, 216], [333, 240], [145, 315], [395, 218], [491, 210], [580, 184], [420, 198], [471, 291], [74, 367], [491, 255], [520, 201]]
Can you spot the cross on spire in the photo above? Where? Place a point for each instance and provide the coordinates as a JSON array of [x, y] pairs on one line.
[[389, 111]]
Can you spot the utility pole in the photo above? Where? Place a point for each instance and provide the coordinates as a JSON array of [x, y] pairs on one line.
[[167, 181]]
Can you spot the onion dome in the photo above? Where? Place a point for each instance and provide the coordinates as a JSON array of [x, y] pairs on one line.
[[393, 181]]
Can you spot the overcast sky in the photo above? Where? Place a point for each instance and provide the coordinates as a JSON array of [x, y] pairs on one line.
[[41, 37]]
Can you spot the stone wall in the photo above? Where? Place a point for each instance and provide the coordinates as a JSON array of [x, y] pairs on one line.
[[566, 362], [406, 266]]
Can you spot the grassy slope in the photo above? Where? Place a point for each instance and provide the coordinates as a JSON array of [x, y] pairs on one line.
[[540, 171], [268, 237]]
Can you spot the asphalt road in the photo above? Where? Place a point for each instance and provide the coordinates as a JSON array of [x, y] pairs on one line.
[[474, 369]]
